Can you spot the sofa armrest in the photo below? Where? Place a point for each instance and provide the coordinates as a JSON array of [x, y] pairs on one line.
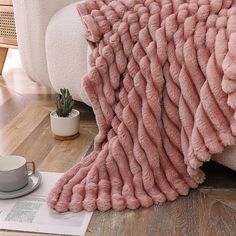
[[38, 9], [32, 18]]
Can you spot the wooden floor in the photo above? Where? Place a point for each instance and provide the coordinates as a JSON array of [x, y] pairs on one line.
[[25, 130]]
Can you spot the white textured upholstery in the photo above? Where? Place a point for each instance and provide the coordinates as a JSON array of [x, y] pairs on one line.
[[66, 52], [227, 158], [32, 18]]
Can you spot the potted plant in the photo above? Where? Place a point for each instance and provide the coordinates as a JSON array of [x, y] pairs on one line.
[[65, 120]]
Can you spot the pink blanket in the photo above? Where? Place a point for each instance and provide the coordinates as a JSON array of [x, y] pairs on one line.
[[162, 85]]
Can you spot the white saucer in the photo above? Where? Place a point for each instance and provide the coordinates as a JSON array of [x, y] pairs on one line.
[[34, 182]]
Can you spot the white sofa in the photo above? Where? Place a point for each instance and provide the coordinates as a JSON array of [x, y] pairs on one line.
[[54, 52], [51, 44]]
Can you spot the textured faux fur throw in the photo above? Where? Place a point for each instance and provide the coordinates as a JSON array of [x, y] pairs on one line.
[[162, 85]]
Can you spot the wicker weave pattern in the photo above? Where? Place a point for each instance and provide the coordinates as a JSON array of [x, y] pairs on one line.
[[7, 25]]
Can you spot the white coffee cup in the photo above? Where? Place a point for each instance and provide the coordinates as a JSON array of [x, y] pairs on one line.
[[14, 172]]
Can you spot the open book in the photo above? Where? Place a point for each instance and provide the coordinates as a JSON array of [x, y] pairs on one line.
[[31, 213]]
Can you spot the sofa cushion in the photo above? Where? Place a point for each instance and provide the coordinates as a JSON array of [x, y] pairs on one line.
[[66, 52], [227, 158], [32, 19]]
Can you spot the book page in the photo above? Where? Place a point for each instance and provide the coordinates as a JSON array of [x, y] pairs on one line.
[[31, 213]]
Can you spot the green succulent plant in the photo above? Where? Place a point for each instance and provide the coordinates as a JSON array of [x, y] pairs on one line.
[[64, 103]]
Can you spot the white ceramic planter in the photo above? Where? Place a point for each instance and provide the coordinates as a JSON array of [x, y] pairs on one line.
[[65, 126]]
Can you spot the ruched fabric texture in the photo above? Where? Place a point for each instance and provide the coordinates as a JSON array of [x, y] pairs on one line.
[[162, 86]]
